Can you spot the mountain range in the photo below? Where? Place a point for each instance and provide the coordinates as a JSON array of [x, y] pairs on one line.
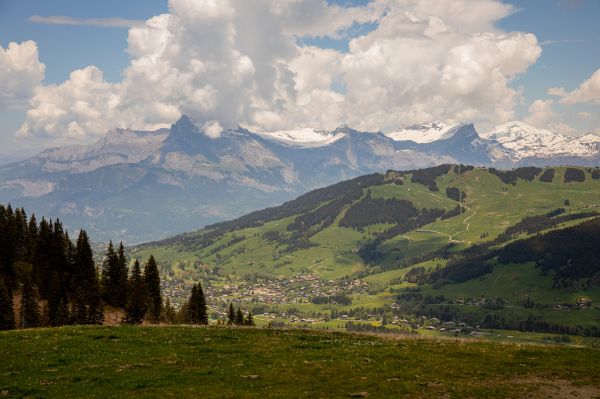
[[145, 185]]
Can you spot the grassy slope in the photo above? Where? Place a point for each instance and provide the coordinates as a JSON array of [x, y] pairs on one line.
[[232, 363], [491, 207]]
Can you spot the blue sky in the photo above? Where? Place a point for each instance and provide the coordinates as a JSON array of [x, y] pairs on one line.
[[568, 31]]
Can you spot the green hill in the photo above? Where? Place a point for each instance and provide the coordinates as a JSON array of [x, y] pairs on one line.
[[398, 239], [181, 362]]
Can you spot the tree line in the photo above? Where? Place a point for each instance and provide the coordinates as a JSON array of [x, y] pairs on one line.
[[60, 284]]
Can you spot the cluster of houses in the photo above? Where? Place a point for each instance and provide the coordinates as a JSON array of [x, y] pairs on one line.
[[300, 288], [581, 303]]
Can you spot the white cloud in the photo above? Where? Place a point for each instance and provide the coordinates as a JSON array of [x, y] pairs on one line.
[[20, 73], [541, 113], [101, 22], [230, 62], [212, 129], [587, 92]]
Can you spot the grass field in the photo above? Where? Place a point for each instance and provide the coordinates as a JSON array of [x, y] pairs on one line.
[[106, 362]]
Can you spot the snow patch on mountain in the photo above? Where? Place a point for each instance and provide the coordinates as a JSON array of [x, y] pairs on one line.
[[303, 137], [520, 140], [424, 133]]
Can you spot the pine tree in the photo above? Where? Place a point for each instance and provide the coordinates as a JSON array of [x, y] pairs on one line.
[[135, 308], [196, 306], [201, 306], [121, 276], [249, 320], [32, 237], [42, 270], [109, 276], [152, 285], [30, 310], [239, 317], [231, 315], [88, 288], [56, 312], [169, 313], [7, 314]]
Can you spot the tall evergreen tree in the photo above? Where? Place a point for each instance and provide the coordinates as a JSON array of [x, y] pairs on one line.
[[196, 306], [88, 288], [121, 276], [56, 310], [135, 308], [249, 320], [231, 315], [32, 237], [42, 270], [152, 285], [169, 313], [239, 317], [110, 277], [7, 313], [30, 310]]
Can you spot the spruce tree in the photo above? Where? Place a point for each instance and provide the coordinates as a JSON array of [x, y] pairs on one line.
[[249, 320], [7, 314], [239, 317], [32, 237], [30, 310], [121, 276], [56, 311], [88, 288], [196, 306], [169, 313], [152, 285], [231, 315], [109, 277], [135, 308], [201, 306]]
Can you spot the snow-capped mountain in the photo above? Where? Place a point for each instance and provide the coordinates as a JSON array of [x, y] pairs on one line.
[[136, 185], [424, 133], [520, 142], [303, 137]]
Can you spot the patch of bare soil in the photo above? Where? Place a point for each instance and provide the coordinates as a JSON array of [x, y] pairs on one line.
[[536, 387]]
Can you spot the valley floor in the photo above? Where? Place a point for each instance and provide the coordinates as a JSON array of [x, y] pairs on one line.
[[182, 361]]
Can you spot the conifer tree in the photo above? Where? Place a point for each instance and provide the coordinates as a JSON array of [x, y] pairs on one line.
[[56, 310], [249, 320], [7, 314], [30, 310], [42, 271], [110, 277], [121, 276], [239, 317], [88, 288], [169, 313], [135, 308], [152, 285], [231, 315], [196, 306], [32, 237]]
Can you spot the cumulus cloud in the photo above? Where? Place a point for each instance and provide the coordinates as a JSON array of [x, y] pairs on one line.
[[20, 72], [587, 92], [237, 62], [542, 115]]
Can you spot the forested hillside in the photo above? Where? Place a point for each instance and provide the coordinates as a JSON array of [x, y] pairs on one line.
[[438, 243]]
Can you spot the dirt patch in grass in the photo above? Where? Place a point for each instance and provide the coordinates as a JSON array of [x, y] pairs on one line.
[[538, 387]]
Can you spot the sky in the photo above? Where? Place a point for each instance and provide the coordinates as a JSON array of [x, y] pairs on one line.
[[70, 70]]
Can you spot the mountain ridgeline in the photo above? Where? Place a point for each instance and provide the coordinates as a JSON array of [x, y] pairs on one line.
[[143, 186]]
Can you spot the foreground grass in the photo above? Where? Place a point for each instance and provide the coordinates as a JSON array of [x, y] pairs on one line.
[[238, 363]]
